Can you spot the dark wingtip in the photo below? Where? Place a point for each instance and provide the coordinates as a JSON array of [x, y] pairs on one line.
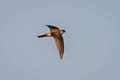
[[52, 27], [48, 25], [61, 57]]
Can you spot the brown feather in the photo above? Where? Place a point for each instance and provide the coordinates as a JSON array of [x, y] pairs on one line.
[[60, 45], [52, 27], [40, 36]]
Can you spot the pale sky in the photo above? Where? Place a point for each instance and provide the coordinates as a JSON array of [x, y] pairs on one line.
[[92, 40]]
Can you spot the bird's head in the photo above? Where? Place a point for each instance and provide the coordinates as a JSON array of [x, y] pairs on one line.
[[62, 31]]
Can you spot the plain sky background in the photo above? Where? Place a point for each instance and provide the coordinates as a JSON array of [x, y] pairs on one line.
[[92, 40]]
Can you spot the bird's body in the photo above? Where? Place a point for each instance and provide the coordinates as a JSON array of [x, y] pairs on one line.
[[56, 33]]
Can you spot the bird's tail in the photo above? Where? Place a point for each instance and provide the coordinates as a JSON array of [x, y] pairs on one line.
[[41, 36]]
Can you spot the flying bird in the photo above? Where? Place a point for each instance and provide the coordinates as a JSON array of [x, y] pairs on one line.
[[56, 33]]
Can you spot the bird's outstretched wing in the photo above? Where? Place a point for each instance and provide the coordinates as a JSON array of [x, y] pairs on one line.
[[60, 45], [52, 27]]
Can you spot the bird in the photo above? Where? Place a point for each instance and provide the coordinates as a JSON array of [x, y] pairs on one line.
[[56, 33]]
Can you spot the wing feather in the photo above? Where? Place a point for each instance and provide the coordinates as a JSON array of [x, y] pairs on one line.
[[60, 45], [52, 27]]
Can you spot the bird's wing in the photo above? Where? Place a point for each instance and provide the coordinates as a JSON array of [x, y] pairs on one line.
[[52, 27], [60, 45]]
